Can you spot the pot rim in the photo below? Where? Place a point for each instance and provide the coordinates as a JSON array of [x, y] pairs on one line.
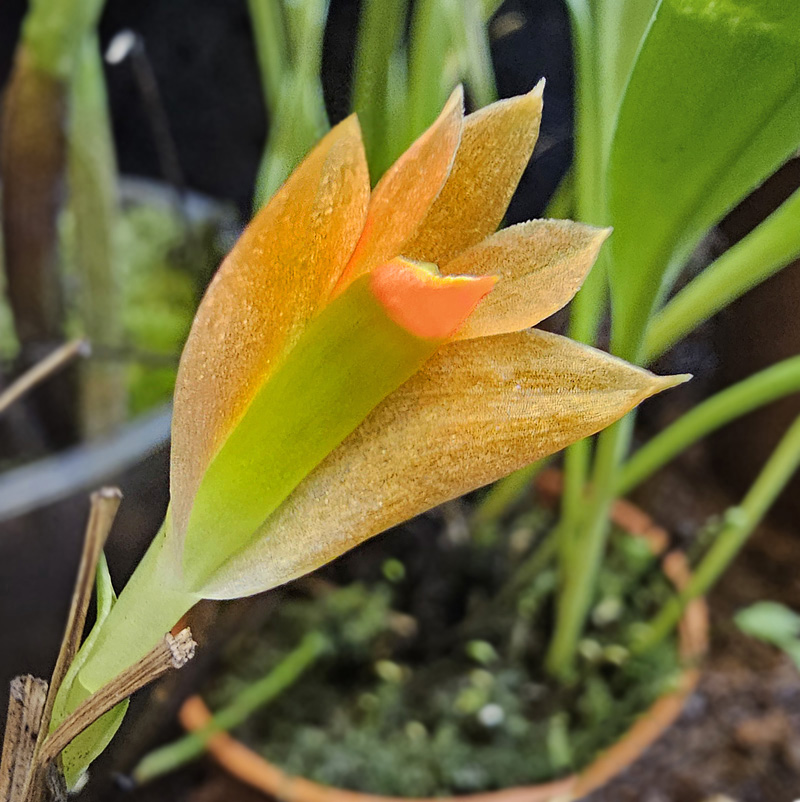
[[249, 767]]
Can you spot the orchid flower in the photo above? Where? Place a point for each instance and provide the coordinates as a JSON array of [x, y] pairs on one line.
[[360, 357]]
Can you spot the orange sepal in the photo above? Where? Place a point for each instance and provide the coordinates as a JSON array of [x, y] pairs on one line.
[[424, 303]]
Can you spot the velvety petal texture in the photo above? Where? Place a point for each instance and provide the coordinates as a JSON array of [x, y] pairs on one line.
[[276, 278], [540, 265], [403, 197], [476, 411], [496, 145], [368, 341]]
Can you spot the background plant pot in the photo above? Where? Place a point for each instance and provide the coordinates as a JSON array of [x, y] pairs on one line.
[[252, 769], [44, 488]]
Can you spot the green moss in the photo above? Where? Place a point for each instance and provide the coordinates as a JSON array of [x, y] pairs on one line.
[[8, 338], [157, 297], [427, 710]]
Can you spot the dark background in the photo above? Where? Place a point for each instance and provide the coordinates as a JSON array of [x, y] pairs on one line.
[[204, 60]]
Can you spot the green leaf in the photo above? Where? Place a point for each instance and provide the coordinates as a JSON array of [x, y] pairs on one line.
[[429, 49], [380, 31], [395, 139], [272, 48], [770, 622], [620, 26], [54, 31], [350, 358], [471, 43], [764, 251], [755, 391], [300, 118], [712, 108], [92, 741]]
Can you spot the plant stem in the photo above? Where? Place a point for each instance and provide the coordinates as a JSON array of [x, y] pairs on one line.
[[42, 371], [530, 568], [427, 53], [272, 48], [171, 652], [148, 607], [577, 460], [380, 31], [104, 505], [32, 166], [245, 703], [763, 252], [300, 118], [23, 724], [586, 312], [580, 580], [755, 391], [54, 30], [504, 493], [741, 521], [92, 172], [588, 306]]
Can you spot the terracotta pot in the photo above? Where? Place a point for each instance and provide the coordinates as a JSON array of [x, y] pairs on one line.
[[253, 770]]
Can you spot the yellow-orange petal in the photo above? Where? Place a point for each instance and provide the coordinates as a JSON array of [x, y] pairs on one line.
[[495, 148], [477, 410], [426, 304], [276, 278], [541, 264], [404, 195]]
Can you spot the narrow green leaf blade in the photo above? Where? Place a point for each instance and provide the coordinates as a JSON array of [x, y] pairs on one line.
[[299, 117], [770, 622], [380, 31], [471, 44]]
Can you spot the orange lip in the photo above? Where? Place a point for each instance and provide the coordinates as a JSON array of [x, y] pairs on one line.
[[427, 305]]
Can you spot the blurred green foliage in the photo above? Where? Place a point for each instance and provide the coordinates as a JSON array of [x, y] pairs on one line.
[[376, 714]]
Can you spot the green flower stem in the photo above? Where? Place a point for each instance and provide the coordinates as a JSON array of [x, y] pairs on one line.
[[755, 391], [426, 65], [149, 606], [54, 31], [562, 203], [244, 704], [530, 568], [741, 521], [490, 8], [92, 171], [379, 35], [471, 44], [506, 492], [586, 554], [272, 48], [577, 464], [767, 249], [588, 305], [300, 118]]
